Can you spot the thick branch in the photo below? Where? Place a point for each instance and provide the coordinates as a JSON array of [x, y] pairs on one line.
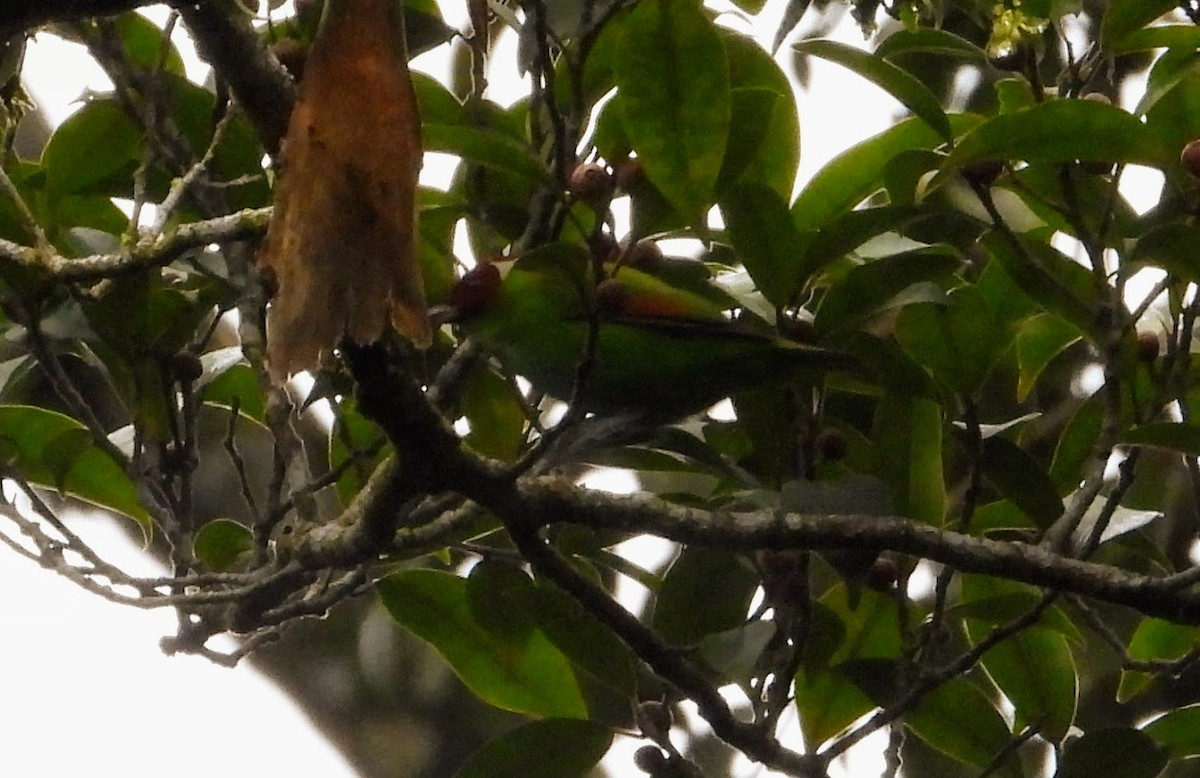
[[227, 40], [545, 502]]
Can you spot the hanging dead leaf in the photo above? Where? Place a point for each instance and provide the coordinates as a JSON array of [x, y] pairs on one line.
[[342, 242]]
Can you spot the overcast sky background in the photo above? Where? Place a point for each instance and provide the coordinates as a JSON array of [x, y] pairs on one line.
[[84, 689]]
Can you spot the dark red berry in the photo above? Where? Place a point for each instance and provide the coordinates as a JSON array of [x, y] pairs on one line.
[[1190, 158], [612, 296], [475, 289], [644, 255], [882, 574], [654, 719], [1147, 346], [831, 445], [628, 172], [592, 184], [650, 759], [186, 367], [604, 246]]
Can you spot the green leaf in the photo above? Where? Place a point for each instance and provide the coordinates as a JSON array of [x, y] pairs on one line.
[[688, 606], [1173, 436], [908, 446], [1155, 640], [734, 654], [762, 233], [496, 415], [553, 748], [530, 676], [959, 720], [927, 40], [1167, 36], [147, 44], [1056, 132], [1061, 286], [501, 597], [901, 85], [1076, 445], [589, 644], [856, 173], [1036, 671], [1122, 17], [777, 154], [87, 473], [1021, 479], [219, 544], [866, 289], [1039, 340], [1114, 752], [487, 147], [88, 149], [959, 341], [1170, 247], [1178, 730], [996, 601], [673, 78], [353, 435]]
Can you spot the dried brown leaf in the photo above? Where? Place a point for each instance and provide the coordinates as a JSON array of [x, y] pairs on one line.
[[342, 242]]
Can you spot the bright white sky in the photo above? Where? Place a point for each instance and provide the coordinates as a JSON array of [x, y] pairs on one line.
[[84, 688]]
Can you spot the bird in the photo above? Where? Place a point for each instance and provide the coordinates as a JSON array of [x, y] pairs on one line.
[[647, 346]]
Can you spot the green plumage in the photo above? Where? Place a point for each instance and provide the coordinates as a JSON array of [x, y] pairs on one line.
[[665, 352]]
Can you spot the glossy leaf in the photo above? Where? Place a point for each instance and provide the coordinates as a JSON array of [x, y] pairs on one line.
[[856, 173], [1039, 340], [496, 415], [928, 41], [762, 233], [867, 289], [1036, 671], [959, 720], [1113, 753], [528, 676], [576, 747], [673, 78], [1021, 479], [221, 543], [1155, 640], [28, 436], [1174, 436], [959, 342], [487, 147], [777, 153], [908, 444], [1059, 131], [1121, 17], [1178, 730], [901, 85], [90, 147], [688, 606]]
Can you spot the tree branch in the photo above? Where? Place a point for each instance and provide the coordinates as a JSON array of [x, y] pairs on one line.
[[153, 251], [22, 15]]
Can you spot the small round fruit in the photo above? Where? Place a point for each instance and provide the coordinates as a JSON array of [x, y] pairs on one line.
[[984, 172], [612, 296], [604, 246], [1147, 346], [475, 289], [591, 184], [644, 255], [882, 574], [186, 367], [654, 719], [650, 759], [628, 172], [1190, 158], [831, 445]]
